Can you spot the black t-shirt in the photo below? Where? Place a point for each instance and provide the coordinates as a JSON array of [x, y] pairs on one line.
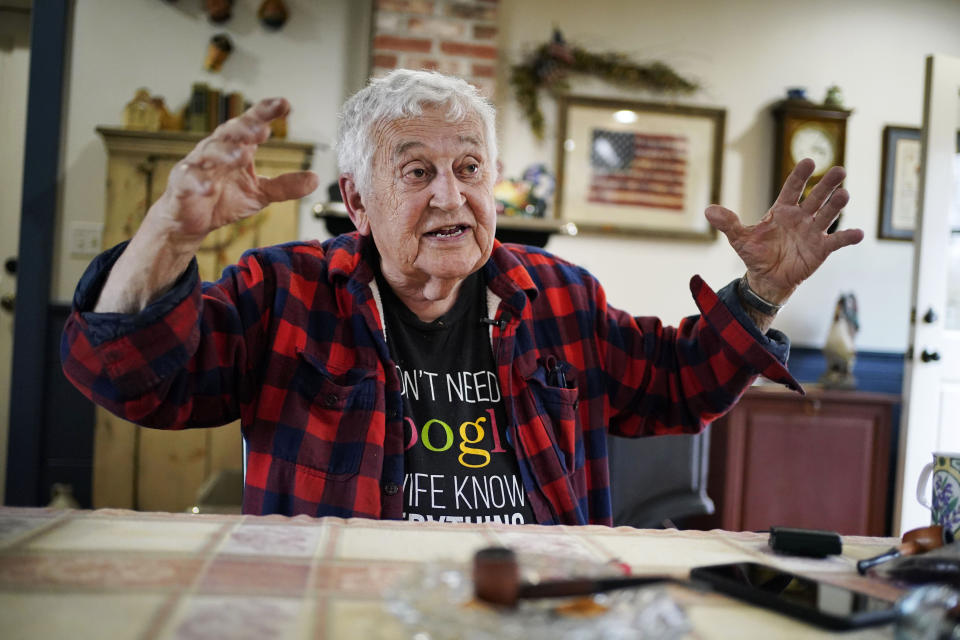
[[459, 465]]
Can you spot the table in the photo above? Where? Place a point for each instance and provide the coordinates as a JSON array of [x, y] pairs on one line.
[[123, 574]]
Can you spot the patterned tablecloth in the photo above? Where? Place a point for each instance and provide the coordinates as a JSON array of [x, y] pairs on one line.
[[120, 574]]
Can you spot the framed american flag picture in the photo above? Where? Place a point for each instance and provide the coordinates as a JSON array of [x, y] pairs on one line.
[[638, 167]]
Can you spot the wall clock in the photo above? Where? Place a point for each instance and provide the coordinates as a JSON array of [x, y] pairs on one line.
[[807, 130]]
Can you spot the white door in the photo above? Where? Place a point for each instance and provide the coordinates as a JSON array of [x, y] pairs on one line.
[[14, 72], [931, 412]]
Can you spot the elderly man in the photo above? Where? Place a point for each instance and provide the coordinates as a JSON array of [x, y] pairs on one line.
[[418, 368]]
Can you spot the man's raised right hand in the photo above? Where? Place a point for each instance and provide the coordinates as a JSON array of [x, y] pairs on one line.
[[216, 184], [213, 186]]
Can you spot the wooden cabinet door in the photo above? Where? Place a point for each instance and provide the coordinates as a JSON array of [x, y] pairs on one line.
[[810, 471], [158, 470], [818, 462]]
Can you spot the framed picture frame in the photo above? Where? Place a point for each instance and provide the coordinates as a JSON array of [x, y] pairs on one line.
[[638, 167], [899, 183]]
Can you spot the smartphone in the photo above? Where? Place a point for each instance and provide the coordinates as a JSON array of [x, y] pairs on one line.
[[819, 603]]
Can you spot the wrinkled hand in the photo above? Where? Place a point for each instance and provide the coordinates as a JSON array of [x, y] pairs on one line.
[[790, 242], [216, 184]]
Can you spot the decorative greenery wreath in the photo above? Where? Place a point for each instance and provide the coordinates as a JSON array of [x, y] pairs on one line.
[[548, 66]]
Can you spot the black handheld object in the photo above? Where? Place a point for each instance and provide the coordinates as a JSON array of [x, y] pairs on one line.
[[819, 603], [805, 542]]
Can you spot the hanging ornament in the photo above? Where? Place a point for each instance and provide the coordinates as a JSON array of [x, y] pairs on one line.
[[218, 49], [559, 49], [219, 10], [550, 64], [272, 13]]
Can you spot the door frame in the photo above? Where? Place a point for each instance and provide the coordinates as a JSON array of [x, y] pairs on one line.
[[920, 430], [49, 47]]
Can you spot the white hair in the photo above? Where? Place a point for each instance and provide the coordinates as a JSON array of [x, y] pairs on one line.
[[403, 93]]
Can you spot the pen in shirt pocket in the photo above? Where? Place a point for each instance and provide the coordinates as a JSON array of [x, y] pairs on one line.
[[555, 376]]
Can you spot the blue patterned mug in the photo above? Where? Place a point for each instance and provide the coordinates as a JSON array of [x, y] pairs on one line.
[[945, 508]]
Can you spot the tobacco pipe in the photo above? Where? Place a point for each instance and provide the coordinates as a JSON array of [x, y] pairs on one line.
[[496, 580], [915, 541]]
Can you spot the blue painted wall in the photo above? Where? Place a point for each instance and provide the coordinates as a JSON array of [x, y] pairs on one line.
[[874, 370]]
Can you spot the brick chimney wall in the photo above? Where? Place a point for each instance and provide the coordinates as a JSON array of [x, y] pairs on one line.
[[458, 37]]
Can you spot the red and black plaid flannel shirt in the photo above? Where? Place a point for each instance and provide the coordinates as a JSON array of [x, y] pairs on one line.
[[291, 341]]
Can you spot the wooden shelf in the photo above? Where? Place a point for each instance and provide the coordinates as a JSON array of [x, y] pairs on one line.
[[530, 231], [121, 141]]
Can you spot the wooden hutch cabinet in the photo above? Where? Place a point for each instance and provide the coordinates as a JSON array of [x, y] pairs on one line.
[[820, 461], [148, 469]]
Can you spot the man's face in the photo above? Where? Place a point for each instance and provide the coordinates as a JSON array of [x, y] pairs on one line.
[[430, 204]]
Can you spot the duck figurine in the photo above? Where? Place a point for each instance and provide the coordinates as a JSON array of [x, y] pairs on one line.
[[839, 350]]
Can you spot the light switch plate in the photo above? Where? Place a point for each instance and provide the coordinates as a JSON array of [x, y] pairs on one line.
[[84, 239]]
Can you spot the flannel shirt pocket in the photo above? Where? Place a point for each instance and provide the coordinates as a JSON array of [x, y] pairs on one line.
[[555, 403], [335, 416]]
